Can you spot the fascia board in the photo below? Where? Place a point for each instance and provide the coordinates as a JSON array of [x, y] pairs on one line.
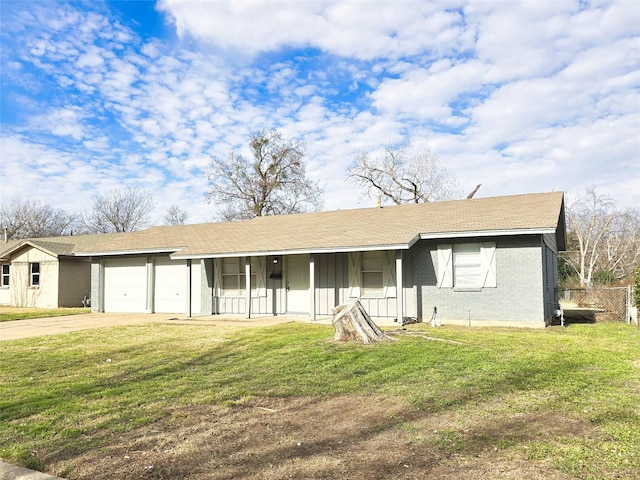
[[28, 243], [141, 251], [487, 233], [290, 252]]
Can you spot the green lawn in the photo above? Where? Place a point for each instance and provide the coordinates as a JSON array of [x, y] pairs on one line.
[[65, 394], [12, 313]]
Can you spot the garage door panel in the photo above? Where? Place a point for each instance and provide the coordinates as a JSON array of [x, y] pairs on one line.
[[170, 293], [125, 285]]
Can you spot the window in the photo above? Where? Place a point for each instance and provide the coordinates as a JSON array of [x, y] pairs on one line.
[[467, 265], [4, 281], [372, 276], [233, 277], [34, 270]]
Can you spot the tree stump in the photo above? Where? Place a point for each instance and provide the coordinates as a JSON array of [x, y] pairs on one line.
[[352, 322]]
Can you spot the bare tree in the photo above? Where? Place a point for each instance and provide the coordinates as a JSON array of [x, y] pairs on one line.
[[175, 216], [404, 178], [621, 248], [125, 210], [33, 219], [602, 238], [273, 182]]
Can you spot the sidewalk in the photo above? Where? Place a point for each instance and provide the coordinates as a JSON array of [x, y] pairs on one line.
[[37, 327], [11, 472]]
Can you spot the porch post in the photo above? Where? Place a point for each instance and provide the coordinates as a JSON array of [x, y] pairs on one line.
[[100, 302], [151, 280], [247, 283], [399, 287], [312, 287], [189, 288]]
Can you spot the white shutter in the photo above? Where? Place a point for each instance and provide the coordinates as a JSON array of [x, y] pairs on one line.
[[445, 266], [217, 277], [260, 265], [388, 269], [488, 264], [355, 267]]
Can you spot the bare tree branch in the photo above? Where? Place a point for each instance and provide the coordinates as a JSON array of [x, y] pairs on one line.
[[32, 219], [403, 179], [125, 210], [474, 191], [175, 216], [602, 238], [273, 182]]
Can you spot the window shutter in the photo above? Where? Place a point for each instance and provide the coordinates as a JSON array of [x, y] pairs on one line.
[[355, 267], [488, 264], [388, 270], [261, 276], [217, 276], [445, 266]]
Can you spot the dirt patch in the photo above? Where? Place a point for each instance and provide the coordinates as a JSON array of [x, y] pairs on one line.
[[309, 438]]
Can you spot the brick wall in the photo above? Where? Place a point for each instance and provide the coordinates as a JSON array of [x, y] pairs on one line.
[[517, 299]]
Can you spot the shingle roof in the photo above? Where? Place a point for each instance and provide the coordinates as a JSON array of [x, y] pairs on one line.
[[344, 230], [64, 245]]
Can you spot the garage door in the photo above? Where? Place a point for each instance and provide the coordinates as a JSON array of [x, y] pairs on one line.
[[125, 285], [170, 293]]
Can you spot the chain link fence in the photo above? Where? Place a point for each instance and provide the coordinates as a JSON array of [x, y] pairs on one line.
[[597, 303]]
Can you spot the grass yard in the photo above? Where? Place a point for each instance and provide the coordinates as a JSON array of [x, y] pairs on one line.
[[200, 402], [22, 313]]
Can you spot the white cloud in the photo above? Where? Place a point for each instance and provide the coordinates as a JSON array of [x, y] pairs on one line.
[[64, 122], [519, 96], [349, 28]]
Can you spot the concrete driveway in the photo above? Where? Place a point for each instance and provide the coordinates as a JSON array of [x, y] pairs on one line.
[[72, 323]]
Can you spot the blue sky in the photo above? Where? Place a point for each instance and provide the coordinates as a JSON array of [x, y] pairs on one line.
[[519, 96]]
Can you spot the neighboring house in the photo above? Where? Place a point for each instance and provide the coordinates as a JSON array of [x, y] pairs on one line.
[[44, 272], [490, 261]]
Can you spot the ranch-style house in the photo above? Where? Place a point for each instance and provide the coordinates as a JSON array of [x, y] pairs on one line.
[[480, 261]]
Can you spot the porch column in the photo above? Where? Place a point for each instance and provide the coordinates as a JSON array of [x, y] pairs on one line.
[[189, 288], [151, 280], [247, 283], [312, 287], [100, 299], [399, 287]]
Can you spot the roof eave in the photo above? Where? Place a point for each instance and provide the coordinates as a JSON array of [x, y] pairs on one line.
[[488, 233], [133, 251], [302, 251], [7, 254]]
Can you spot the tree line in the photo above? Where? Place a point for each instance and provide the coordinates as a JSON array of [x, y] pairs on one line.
[[271, 181], [603, 240]]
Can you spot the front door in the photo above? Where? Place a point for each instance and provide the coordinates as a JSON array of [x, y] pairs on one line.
[[298, 284]]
